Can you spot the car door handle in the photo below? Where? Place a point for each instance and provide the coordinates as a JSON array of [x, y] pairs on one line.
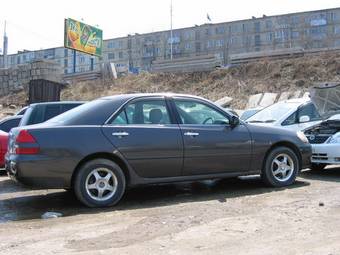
[[193, 134], [120, 134]]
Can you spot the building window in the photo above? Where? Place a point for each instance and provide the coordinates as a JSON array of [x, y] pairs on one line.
[[257, 27], [219, 43], [208, 31], [65, 62], [295, 34], [295, 20], [234, 40], [111, 55], [158, 51], [111, 45], [269, 24], [66, 53], [219, 30], [81, 59], [121, 55], [198, 46], [188, 35], [337, 29], [269, 37], [257, 40], [187, 46], [210, 44], [65, 71]]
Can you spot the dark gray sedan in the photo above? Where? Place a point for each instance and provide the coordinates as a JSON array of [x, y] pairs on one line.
[[102, 147]]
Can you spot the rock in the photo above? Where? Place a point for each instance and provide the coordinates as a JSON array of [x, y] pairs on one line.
[[254, 101], [51, 215], [297, 94], [284, 96], [268, 99], [12, 106], [225, 101], [321, 204]]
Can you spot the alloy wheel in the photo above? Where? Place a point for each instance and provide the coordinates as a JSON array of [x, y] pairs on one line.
[[282, 167], [101, 184]]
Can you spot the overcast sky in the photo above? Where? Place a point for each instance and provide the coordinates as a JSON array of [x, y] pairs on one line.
[[37, 24]]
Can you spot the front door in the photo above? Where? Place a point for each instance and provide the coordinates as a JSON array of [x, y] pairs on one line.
[[145, 135], [211, 145]]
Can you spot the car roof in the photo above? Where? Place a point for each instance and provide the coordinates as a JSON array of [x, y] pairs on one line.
[[58, 102], [296, 100], [137, 95], [13, 117]]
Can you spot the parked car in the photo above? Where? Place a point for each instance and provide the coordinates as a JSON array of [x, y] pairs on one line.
[[293, 114], [325, 137], [40, 112], [102, 147], [3, 148], [35, 113], [22, 111], [6, 124], [249, 112]]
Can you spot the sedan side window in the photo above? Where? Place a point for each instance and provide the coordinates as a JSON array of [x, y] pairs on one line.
[[193, 112], [291, 120], [310, 111], [144, 112]]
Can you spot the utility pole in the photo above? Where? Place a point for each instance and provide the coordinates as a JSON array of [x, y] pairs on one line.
[[171, 35], [5, 48]]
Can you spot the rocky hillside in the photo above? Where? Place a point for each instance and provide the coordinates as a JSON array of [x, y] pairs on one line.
[[237, 82]]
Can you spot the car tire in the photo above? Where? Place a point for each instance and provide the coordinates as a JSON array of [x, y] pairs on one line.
[[99, 183], [317, 167], [281, 167]]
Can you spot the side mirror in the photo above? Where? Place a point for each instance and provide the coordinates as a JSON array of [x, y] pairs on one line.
[[304, 119], [234, 121]]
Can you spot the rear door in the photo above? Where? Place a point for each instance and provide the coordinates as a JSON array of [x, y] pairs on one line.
[[211, 145], [146, 134]]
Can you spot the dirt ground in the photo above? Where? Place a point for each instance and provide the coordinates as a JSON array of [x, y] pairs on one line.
[[235, 216]]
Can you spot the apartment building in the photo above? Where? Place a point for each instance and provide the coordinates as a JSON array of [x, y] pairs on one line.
[[306, 30]]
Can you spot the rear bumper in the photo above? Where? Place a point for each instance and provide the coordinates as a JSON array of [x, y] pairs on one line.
[[306, 154], [37, 172], [326, 153]]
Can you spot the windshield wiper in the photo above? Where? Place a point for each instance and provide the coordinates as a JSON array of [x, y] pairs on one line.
[[255, 121], [261, 121]]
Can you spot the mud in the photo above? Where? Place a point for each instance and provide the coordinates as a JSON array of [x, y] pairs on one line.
[[234, 216]]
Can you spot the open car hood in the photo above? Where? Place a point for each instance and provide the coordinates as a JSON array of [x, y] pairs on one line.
[[326, 98]]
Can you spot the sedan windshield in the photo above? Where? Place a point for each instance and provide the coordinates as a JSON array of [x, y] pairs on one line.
[[272, 113]]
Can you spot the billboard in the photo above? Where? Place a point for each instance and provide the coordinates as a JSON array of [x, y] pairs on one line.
[[82, 37]]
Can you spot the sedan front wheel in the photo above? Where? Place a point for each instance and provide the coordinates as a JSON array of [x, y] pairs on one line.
[[281, 167]]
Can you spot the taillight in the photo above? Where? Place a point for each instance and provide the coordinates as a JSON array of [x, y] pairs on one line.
[[25, 143], [25, 137]]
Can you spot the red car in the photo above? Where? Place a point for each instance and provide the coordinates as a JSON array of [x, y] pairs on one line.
[[3, 147]]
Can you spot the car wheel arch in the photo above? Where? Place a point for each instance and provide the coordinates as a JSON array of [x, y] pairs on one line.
[[103, 155], [287, 144]]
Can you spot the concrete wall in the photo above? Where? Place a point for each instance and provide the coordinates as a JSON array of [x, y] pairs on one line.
[[17, 78]]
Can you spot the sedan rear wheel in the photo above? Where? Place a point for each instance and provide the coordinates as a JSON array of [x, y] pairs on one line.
[[99, 183], [281, 167]]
